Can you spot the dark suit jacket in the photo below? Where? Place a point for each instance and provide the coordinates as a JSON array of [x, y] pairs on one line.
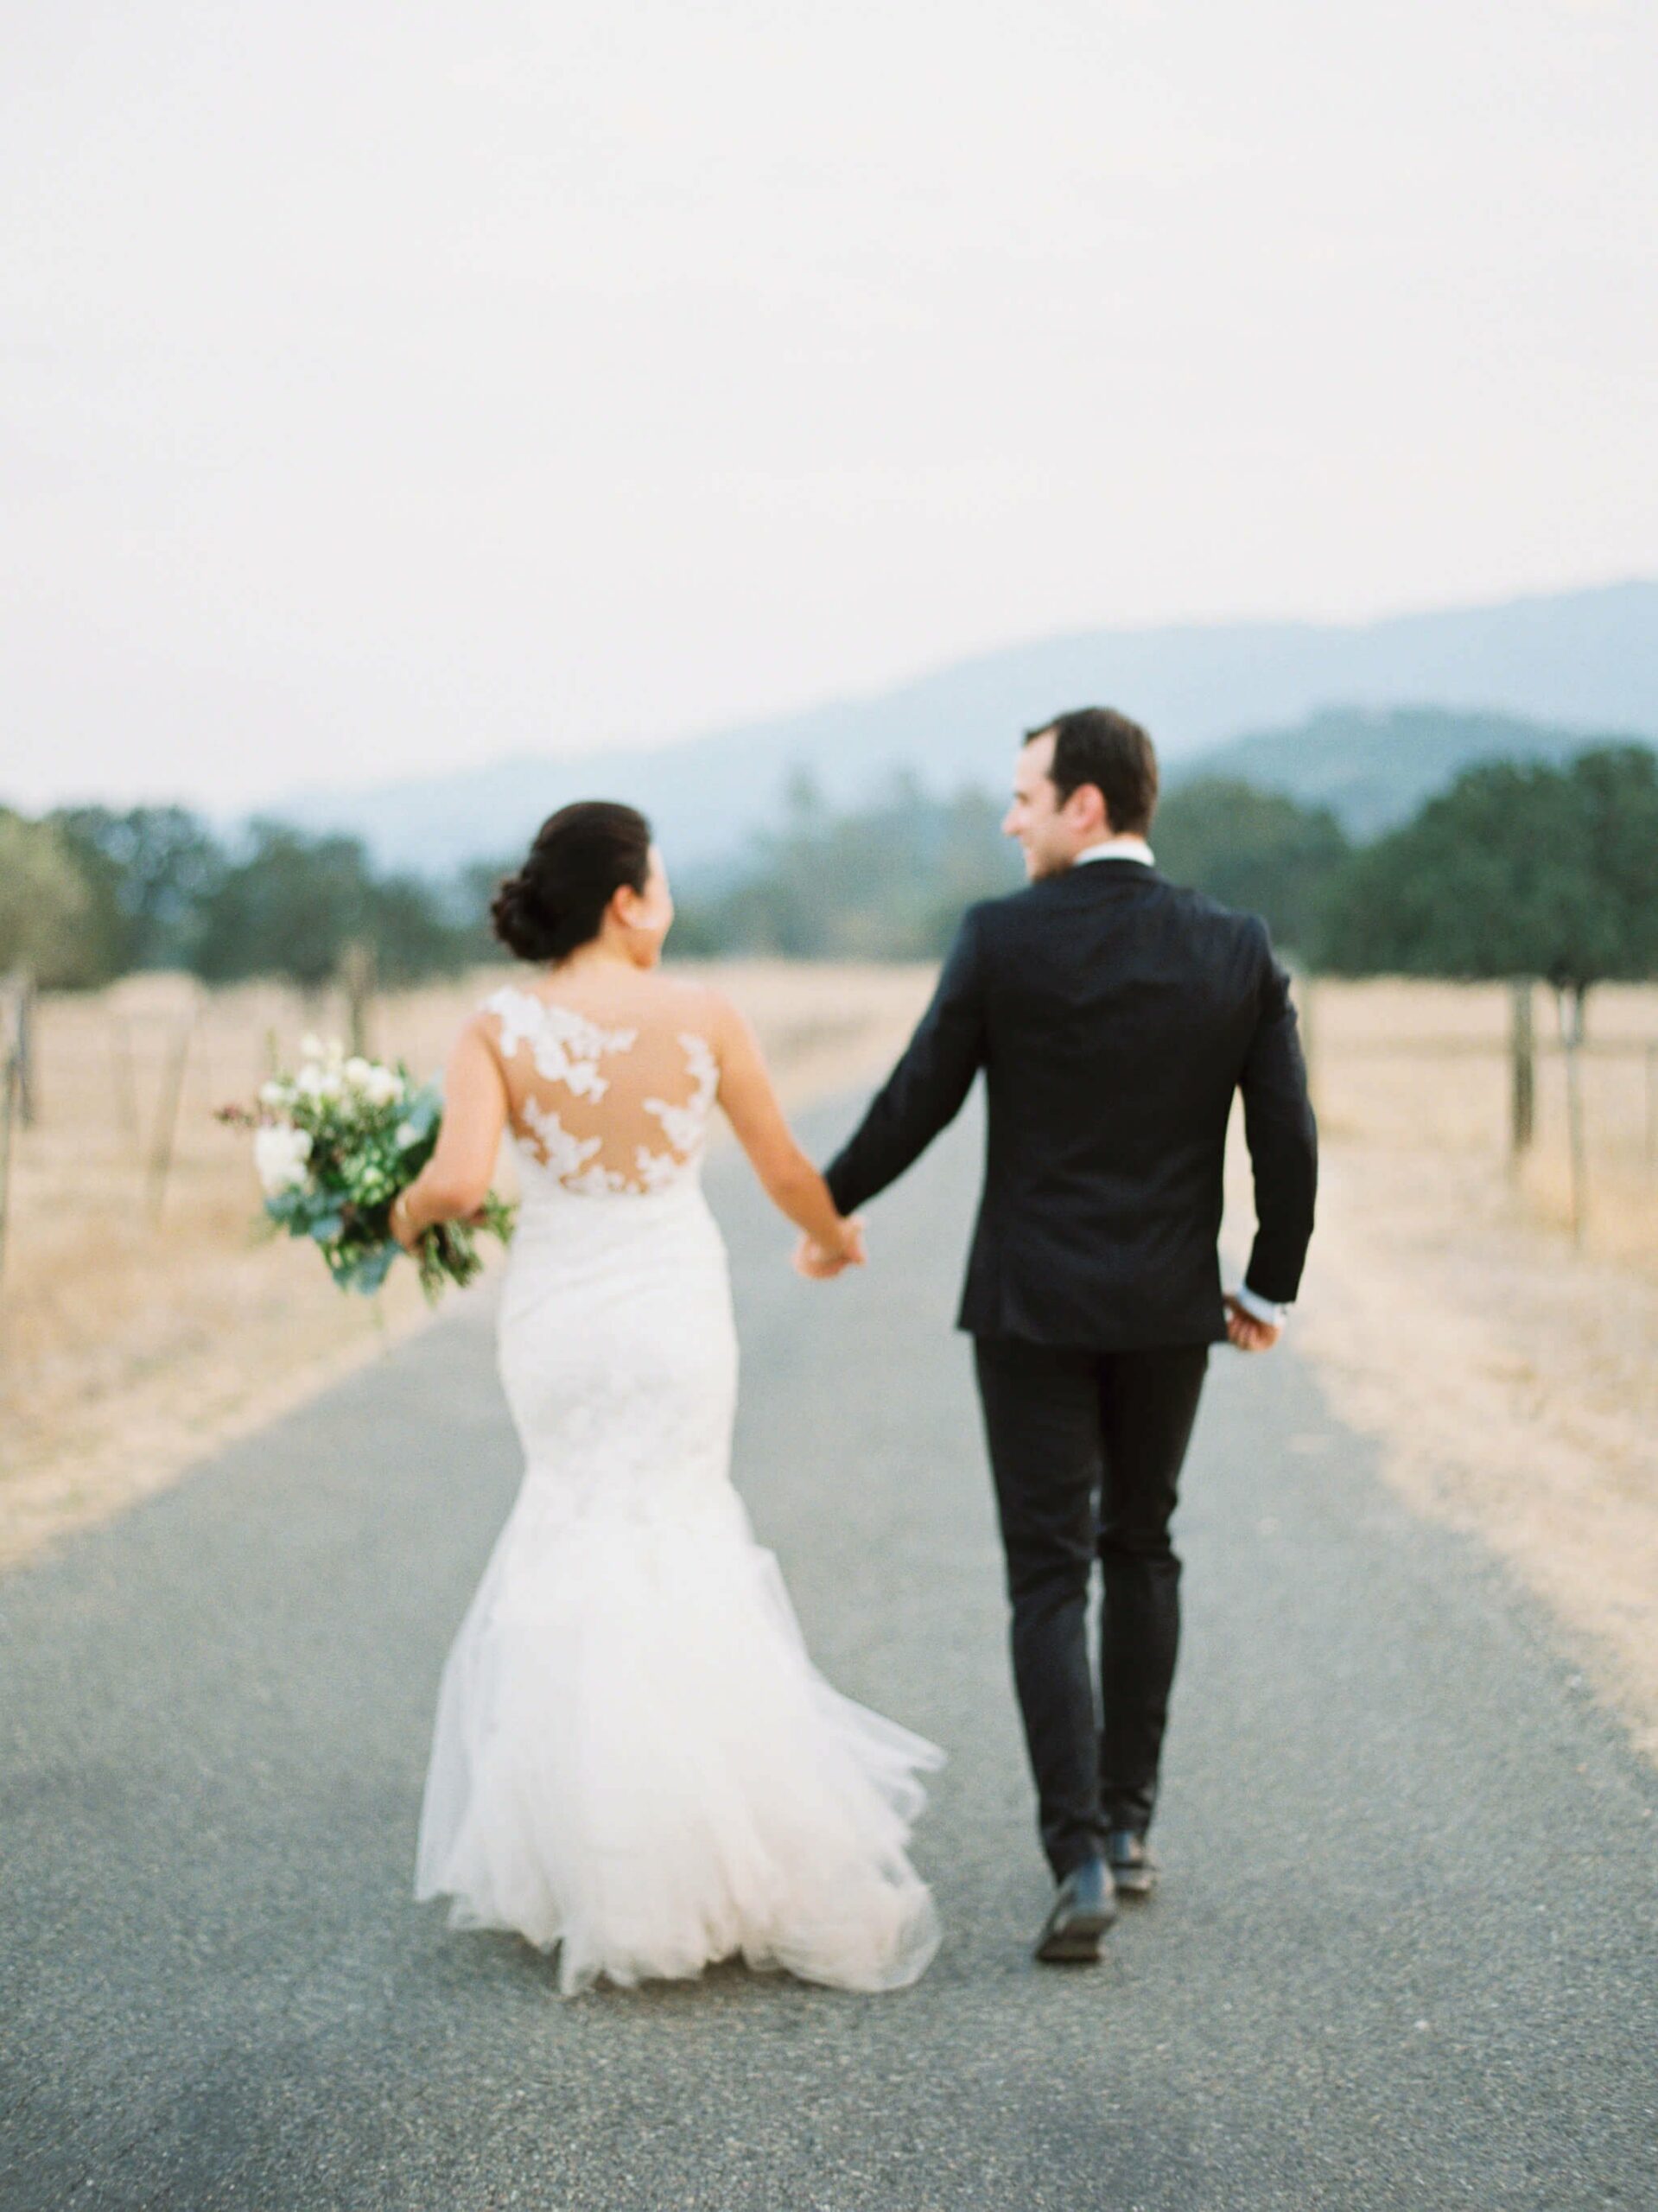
[[1113, 1015]]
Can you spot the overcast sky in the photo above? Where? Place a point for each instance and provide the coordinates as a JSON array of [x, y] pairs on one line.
[[387, 385]]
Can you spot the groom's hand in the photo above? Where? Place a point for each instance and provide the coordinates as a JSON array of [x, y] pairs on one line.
[[1246, 1331]]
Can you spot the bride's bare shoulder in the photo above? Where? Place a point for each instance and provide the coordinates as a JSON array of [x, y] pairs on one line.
[[498, 1012], [694, 1002]]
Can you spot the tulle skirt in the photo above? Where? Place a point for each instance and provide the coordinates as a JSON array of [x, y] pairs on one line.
[[634, 1760]]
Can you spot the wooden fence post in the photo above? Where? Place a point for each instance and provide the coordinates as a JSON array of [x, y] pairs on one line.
[[1522, 1123], [20, 993], [1570, 1001], [356, 979], [167, 1117], [126, 1082]]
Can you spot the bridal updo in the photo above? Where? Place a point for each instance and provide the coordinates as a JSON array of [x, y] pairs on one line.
[[582, 857]]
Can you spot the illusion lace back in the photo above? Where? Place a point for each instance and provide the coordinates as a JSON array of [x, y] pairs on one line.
[[634, 1758], [603, 1111]]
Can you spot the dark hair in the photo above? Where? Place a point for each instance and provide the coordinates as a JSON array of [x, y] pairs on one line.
[[582, 857], [1098, 746]]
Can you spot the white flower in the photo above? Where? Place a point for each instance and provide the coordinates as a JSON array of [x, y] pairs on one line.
[[372, 1081], [380, 1085], [316, 1054], [280, 1155], [313, 1081], [277, 1092]]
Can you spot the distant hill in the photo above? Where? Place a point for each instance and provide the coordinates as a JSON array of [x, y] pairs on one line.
[[1374, 769], [1585, 659]]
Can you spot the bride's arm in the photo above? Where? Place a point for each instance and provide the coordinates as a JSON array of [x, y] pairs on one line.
[[786, 1175], [456, 1180]]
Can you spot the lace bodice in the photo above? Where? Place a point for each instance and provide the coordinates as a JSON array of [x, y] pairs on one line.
[[599, 1112]]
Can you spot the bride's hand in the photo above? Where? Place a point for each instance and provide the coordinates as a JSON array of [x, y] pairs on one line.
[[819, 1264], [814, 1262]]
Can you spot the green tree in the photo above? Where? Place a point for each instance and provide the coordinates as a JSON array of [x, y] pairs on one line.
[[152, 870], [1520, 869], [886, 881], [413, 931], [288, 907], [48, 907], [293, 902], [1254, 849]]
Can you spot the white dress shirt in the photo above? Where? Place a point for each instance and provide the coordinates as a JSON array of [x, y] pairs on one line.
[[1136, 848], [1117, 848]]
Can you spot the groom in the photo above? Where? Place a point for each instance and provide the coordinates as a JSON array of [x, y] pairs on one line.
[[1114, 1015]]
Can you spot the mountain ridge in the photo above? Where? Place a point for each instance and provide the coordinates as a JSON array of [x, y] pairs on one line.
[[1374, 767], [1571, 664]]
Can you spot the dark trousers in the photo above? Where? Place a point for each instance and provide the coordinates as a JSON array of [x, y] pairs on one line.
[[1086, 1449]]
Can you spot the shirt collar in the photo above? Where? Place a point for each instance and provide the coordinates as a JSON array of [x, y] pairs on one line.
[[1117, 848]]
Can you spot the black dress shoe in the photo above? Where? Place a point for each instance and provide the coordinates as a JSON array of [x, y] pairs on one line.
[[1133, 1868], [1083, 1909]]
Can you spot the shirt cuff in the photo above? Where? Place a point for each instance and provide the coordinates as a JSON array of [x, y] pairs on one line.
[[1261, 1308]]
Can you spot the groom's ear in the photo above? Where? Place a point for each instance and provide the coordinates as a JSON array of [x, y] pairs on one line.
[[1088, 812]]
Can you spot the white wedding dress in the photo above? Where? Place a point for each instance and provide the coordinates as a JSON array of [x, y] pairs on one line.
[[634, 1758]]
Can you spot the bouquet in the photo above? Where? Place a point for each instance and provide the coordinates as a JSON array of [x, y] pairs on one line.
[[334, 1144]]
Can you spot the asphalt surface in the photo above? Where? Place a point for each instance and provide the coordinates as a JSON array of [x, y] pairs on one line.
[[1405, 1952]]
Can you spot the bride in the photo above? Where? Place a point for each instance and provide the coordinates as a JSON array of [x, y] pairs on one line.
[[634, 1758]]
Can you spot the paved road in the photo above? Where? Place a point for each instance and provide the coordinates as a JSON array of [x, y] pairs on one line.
[[1405, 1954]]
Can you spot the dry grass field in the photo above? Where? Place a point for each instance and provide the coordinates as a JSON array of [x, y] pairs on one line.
[[1511, 1378], [132, 1341], [1414, 1067]]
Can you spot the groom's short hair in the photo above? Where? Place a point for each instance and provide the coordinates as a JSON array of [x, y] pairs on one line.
[[1098, 746]]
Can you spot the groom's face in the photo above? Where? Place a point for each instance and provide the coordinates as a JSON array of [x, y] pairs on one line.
[[1051, 831]]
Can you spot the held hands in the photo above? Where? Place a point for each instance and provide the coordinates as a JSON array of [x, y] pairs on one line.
[[1246, 1331], [818, 1263]]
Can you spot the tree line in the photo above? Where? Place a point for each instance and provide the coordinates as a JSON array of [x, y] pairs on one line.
[[90, 893], [1532, 868]]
